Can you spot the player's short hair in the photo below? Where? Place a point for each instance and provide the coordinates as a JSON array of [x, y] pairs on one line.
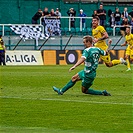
[[88, 39], [96, 17], [128, 27]]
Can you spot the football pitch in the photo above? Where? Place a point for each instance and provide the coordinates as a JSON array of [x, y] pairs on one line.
[[29, 105]]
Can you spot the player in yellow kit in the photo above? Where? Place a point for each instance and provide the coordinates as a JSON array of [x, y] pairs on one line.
[[129, 49], [100, 34]]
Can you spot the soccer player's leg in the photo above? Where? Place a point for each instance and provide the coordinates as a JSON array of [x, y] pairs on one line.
[[128, 62], [87, 83], [3, 58], [127, 55], [131, 58], [70, 84], [109, 63], [107, 60]]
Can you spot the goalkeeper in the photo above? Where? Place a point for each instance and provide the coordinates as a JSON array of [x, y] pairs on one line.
[[90, 58]]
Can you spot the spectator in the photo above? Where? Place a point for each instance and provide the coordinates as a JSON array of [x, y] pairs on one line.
[[125, 23], [2, 51], [112, 20], [52, 13], [94, 13], [82, 14], [131, 13], [72, 13], [109, 12], [46, 12], [57, 13], [102, 15], [124, 14], [37, 16], [117, 16]]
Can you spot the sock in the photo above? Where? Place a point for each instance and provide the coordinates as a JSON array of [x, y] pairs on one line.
[[67, 86], [128, 63], [94, 92], [116, 62]]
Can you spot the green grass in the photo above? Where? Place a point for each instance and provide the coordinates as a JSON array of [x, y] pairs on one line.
[[29, 105]]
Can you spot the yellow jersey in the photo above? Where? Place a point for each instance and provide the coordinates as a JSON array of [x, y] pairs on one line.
[[98, 33], [129, 39]]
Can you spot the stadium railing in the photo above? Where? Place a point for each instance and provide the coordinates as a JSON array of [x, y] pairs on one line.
[[57, 42], [5, 28], [119, 26], [68, 25]]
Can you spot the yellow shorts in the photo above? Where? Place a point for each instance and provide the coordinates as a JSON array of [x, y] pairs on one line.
[[103, 46], [106, 58], [129, 52]]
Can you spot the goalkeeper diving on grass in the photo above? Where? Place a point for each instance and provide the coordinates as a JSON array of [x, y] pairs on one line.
[[90, 58]]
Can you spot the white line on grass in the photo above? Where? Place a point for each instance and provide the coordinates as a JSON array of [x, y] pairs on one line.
[[64, 100], [41, 130], [30, 128]]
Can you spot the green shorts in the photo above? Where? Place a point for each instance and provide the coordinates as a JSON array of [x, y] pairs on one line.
[[87, 78]]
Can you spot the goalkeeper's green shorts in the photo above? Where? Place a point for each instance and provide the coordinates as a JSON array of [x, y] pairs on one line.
[[87, 78]]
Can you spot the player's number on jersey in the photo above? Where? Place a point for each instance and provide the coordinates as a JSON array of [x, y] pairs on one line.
[[95, 57]]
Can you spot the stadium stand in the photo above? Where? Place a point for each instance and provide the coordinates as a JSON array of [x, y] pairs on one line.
[[21, 12]]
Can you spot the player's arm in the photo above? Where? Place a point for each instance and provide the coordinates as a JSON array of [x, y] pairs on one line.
[[104, 36], [81, 60], [124, 44], [109, 44], [131, 47]]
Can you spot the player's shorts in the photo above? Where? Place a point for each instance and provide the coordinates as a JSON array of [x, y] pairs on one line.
[[106, 58], [104, 47], [87, 78], [129, 52], [81, 74]]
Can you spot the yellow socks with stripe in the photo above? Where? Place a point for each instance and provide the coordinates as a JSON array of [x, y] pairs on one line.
[[128, 63], [116, 62]]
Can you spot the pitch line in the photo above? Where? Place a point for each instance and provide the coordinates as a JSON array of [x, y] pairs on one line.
[[65, 100]]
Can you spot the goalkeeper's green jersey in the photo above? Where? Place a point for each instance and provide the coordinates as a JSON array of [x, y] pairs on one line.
[[92, 55]]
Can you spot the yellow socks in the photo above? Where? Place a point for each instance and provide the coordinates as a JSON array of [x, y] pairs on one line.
[[116, 62], [128, 63]]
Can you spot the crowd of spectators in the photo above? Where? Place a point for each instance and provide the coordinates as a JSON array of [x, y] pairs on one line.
[[45, 13], [56, 14], [124, 18], [115, 17]]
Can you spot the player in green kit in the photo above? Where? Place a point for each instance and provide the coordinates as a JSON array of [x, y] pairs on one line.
[[90, 58]]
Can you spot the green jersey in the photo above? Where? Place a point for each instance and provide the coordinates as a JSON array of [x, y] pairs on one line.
[[92, 55]]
